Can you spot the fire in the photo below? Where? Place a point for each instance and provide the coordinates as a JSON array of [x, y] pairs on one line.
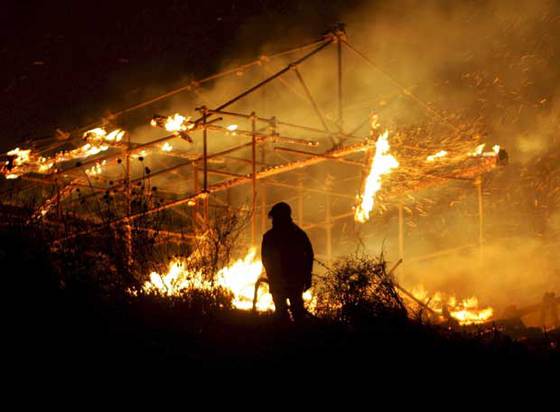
[[438, 155], [479, 151], [465, 311], [239, 278], [99, 134], [166, 147], [26, 161], [96, 169], [382, 164], [232, 128], [175, 123]]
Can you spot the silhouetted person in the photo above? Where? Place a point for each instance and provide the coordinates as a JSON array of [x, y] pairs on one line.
[[287, 256]]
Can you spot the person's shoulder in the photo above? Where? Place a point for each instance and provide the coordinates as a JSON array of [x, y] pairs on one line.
[[299, 231], [268, 234]]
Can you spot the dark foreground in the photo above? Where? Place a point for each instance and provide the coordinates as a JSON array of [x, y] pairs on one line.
[[81, 330]]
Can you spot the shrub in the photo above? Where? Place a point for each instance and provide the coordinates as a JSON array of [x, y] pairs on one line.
[[358, 287]]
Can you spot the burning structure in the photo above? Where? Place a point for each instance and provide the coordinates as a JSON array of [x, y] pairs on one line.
[[240, 154]]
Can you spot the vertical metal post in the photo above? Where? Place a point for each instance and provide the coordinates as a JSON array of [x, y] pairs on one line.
[[300, 202], [254, 179], [401, 232], [329, 220], [58, 198], [128, 189], [339, 65], [263, 195], [196, 188], [205, 162], [478, 184]]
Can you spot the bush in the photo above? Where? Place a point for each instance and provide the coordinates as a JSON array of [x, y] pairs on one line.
[[358, 287]]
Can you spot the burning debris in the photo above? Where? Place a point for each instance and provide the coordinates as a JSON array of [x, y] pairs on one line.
[[25, 161], [448, 307], [438, 155], [177, 124], [99, 134]]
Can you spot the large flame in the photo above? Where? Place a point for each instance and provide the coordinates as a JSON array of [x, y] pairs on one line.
[[382, 163], [239, 278], [465, 311]]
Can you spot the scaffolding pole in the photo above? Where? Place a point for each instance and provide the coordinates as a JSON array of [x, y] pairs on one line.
[[401, 232], [478, 184], [254, 181]]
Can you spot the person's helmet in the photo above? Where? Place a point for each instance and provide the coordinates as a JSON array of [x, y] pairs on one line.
[[280, 210]]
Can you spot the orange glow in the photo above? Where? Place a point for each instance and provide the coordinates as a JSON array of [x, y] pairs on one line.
[[239, 278], [465, 311], [438, 155]]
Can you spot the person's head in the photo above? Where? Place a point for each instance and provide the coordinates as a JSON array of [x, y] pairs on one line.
[[280, 213]]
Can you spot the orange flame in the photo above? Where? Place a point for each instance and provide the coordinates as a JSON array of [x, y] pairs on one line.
[[382, 164], [26, 161], [239, 278], [465, 311], [438, 155]]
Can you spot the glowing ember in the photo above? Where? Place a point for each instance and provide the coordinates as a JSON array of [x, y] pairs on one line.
[[140, 155], [97, 169], [175, 123], [478, 151], [382, 164], [438, 155], [465, 311], [99, 134], [166, 147], [232, 127]]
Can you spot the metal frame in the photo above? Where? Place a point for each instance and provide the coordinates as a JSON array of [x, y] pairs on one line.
[[208, 121]]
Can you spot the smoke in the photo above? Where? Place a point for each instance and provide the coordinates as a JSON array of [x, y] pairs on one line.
[[458, 73], [489, 69]]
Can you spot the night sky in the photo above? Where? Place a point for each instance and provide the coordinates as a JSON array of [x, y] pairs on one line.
[[66, 63]]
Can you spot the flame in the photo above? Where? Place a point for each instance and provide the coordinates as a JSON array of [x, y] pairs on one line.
[[438, 155], [382, 163], [96, 170], [26, 161], [232, 127], [166, 147], [479, 151], [175, 123], [99, 134], [239, 278], [465, 311]]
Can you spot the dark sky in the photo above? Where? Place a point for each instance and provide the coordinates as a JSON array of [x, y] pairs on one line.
[[64, 63]]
